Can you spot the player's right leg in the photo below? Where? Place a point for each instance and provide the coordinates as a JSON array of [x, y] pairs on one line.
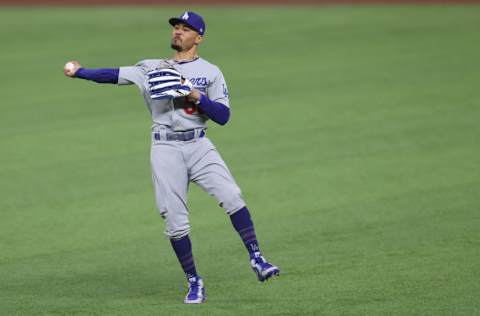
[[170, 180]]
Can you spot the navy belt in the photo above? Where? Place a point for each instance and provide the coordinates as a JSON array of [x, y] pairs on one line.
[[179, 136]]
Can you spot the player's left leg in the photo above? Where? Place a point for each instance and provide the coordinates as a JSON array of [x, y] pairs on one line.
[[209, 171], [243, 224]]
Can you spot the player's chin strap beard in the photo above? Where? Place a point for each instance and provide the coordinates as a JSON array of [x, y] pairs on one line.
[[176, 47]]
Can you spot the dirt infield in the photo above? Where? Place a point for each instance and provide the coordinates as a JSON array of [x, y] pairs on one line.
[[225, 2]]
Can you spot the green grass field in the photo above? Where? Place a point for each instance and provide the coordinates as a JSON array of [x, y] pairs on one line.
[[354, 137]]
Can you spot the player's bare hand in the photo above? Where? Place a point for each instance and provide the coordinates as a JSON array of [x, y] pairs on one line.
[[71, 68], [194, 95]]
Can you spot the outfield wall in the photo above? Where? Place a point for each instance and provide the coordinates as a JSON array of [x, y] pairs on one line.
[[219, 2]]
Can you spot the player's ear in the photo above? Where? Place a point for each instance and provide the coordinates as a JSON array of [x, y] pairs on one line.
[[198, 40]]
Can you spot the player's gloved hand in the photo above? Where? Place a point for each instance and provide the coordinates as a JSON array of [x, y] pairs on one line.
[[168, 83]]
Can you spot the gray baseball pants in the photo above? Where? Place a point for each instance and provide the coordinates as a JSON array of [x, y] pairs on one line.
[[177, 163]]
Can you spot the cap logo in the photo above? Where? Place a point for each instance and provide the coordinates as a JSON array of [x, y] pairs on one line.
[[185, 16]]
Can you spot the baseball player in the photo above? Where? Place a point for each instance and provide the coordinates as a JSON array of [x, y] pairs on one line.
[[182, 93]]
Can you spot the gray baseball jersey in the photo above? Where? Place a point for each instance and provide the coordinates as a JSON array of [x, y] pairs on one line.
[[178, 114], [176, 163]]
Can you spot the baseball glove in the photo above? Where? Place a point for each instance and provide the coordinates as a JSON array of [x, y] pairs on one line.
[[167, 83]]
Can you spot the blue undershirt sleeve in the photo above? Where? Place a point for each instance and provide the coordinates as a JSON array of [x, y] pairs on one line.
[[101, 75], [218, 112]]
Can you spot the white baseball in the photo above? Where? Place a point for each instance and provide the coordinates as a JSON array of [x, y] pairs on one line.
[[69, 66]]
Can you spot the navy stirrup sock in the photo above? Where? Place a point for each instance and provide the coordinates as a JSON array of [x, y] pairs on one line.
[[183, 249], [243, 224]]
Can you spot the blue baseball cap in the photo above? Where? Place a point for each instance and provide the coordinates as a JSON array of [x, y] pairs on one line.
[[191, 19]]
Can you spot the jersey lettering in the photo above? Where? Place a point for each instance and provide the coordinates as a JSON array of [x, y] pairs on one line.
[[199, 82]]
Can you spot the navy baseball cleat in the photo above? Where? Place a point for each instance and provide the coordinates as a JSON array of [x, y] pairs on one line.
[[196, 291], [263, 269]]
